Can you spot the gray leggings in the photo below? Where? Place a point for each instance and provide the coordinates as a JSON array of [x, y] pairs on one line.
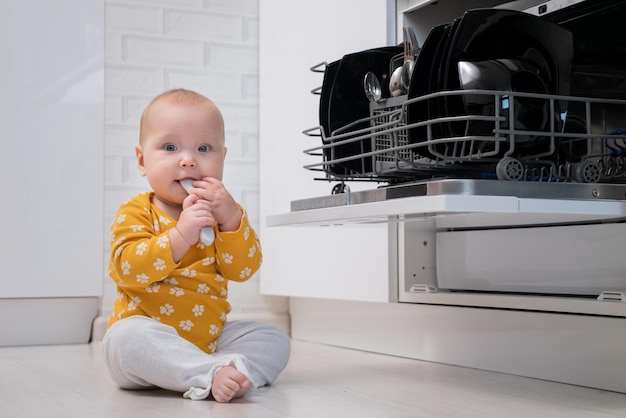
[[143, 353]]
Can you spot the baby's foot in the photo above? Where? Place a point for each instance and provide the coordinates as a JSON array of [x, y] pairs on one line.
[[228, 384]]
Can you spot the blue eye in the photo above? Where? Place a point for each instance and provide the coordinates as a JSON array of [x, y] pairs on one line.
[[170, 147], [203, 148]]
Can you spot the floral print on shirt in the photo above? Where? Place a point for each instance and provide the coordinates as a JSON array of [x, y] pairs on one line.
[[191, 295]]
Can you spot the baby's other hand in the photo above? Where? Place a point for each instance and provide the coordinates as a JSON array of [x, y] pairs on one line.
[[223, 206]]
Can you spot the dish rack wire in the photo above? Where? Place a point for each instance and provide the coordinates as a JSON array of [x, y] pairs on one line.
[[585, 143]]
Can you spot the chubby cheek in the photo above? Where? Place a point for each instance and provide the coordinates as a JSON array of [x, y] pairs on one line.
[[219, 172], [160, 164], [215, 168], [158, 174]]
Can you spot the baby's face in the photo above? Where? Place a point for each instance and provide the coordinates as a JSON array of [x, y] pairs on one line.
[[181, 141]]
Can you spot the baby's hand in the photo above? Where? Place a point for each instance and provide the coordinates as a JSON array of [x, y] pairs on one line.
[[195, 215], [223, 207]]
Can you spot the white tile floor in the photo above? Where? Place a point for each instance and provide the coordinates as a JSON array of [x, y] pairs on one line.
[[320, 381]]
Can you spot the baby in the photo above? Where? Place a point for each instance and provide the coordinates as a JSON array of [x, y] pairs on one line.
[[168, 328]]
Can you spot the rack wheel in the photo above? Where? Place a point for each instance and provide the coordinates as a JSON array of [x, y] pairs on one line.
[[509, 168], [340, 188], [587, 172]]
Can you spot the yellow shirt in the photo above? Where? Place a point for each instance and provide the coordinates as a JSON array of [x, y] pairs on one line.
[[190, 295]]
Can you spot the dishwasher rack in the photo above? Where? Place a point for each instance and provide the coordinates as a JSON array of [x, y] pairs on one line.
[[486, 134]]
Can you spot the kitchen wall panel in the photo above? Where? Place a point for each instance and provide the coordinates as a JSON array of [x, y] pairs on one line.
[[51, 167]]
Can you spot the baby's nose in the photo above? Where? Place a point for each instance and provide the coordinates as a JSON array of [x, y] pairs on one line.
[[187, 161]]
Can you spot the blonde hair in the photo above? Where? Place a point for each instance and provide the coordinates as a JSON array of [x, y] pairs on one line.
[[181, 97]]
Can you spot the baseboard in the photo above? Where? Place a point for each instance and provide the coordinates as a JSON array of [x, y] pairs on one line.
[[40, 321], [99, 328], [583, 350]]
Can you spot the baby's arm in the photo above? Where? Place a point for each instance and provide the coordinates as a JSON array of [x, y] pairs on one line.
[[238, 252], [237, 245], [140, 255]]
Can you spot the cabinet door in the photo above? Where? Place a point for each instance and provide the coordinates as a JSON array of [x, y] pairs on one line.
[[51, 164], [326, 262]]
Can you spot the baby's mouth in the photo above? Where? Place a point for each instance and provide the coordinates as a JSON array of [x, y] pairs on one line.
[[187, 184], [207, 235]]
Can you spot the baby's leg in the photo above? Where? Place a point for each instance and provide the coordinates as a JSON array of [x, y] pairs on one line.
[[143, 353], [228, 384], [265, 348]]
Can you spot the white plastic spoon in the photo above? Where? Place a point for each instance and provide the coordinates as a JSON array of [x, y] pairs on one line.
[[207, 236]]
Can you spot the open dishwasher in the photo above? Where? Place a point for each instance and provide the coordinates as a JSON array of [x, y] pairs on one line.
[[499, 179], [507, 266]]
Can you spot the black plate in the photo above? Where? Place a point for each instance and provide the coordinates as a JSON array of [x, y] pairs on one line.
[[327, 84], [423, 72], [348, 103], [445, 129]]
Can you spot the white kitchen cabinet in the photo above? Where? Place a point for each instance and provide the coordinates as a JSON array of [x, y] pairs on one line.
[[422, 15], [51, 169], [295, 36]]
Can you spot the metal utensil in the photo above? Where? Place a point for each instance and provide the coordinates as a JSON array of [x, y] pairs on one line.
[[411, 49], [400, 79], [207, 235], [372, 88], [407, 73], [414, 47], [396, 84]]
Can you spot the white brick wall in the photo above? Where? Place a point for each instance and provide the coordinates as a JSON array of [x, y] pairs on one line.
[[210, 46]]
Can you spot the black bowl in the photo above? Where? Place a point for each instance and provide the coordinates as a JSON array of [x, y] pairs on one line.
[[484, 35], [531, 114], [528, 53]]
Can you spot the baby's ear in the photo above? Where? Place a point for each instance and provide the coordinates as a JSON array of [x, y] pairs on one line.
[[139, 154]]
